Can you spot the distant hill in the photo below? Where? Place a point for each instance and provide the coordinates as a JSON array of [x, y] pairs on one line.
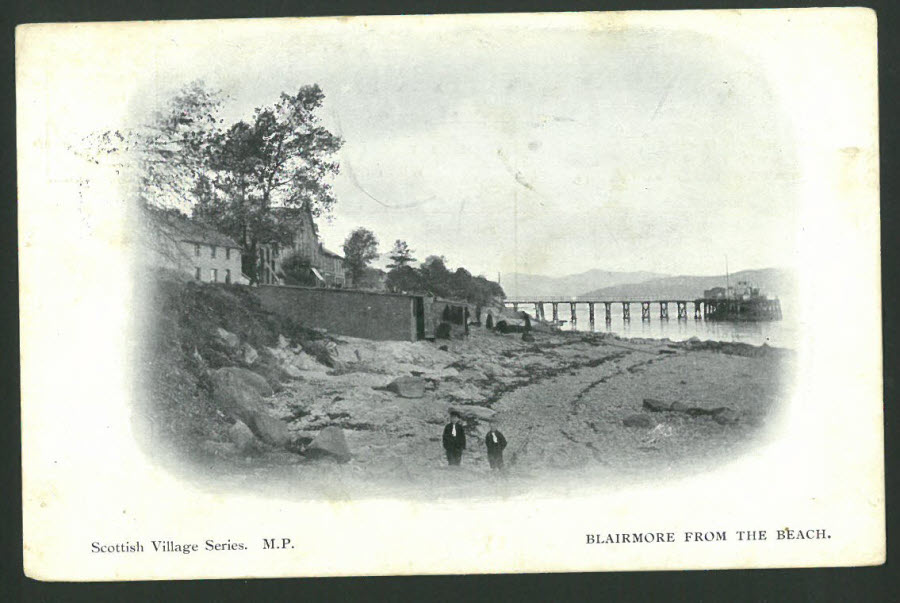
[[771, 281], [533, 285]]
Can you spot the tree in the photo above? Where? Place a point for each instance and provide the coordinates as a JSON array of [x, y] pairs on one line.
[[167, 154], [401, 255], [405, 279], [266, 171], [360, 248]]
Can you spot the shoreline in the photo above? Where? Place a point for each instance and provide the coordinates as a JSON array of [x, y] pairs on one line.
[[567, 403]]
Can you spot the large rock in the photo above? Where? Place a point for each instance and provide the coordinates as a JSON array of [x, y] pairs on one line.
[[269, 429], [479, 413], [637, 420], [238, 391], [656, 405], [229, 338], [249, 353], [330, 442], [223, 449], [678, 406], [241, 435], [725, 416], [408, 387]]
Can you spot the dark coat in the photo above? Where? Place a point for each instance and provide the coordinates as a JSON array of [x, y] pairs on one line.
[[492, 446], [454, 443]]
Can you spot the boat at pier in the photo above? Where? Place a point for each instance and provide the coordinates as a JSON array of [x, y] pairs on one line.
[[740, 302]]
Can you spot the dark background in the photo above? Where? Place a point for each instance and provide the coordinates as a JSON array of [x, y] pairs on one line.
[[851, 584]]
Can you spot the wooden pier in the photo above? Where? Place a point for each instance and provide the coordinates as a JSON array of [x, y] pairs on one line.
[[704, 309]]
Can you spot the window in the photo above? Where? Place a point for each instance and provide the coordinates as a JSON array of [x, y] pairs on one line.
[[197, 249], [212, 251], [227, 276], [197, 271], [213, 275], [228, 253]]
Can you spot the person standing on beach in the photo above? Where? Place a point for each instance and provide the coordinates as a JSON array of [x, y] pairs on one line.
[[495, 443], [454, 439]]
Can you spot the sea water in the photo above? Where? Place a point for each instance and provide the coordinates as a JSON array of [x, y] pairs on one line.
[[780, 333]]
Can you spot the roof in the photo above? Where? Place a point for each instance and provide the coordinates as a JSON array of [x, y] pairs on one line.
[[331, 253], [182, 228]]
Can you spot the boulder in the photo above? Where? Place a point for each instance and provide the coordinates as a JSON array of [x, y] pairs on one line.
[[656, 405], [249, 354], [248, 378], [229, 338], [292, 371], [725, 416], [678, 406], [213, 448], [269, 429], [238, 392], [407, 387], [638, 420], [528, 337], [330, 442], [479, 413], [240, 435]]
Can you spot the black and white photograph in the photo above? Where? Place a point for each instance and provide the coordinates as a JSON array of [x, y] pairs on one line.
[[315, 289]]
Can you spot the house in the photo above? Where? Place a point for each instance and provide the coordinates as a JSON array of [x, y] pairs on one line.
[[326, 268], [172, 240]]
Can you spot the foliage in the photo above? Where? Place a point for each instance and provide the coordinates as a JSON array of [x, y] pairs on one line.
[[405, 279], [249, 180], [297, 270], [266, 171], [401, 255], [360, 248], [436, 279]]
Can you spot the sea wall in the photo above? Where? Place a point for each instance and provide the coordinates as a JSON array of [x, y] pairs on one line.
[[363, 314]]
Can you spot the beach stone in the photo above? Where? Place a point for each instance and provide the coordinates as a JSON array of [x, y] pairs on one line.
[[236, 393], [725, 416], [330, 442], [292, 371], [656, 405], [240, 435], [269, 429], [696, 411], [638, 420], [218, 448], [229, 338], [249, 353], [407, 387], [479, 413], [248, 378], [678, 406]]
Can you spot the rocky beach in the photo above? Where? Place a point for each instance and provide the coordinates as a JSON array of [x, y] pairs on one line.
[[315, 415]]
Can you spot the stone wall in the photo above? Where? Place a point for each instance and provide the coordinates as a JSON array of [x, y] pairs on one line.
[[344, 312]]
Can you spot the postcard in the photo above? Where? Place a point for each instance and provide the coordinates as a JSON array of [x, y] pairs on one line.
[[450, 294]]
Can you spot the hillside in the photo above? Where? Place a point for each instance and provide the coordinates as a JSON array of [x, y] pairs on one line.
[[771, 281], [534, 285]]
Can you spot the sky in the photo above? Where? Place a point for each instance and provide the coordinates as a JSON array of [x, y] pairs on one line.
[[549, 146]]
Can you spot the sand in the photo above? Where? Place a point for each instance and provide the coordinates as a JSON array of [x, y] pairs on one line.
[[561, 401]]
